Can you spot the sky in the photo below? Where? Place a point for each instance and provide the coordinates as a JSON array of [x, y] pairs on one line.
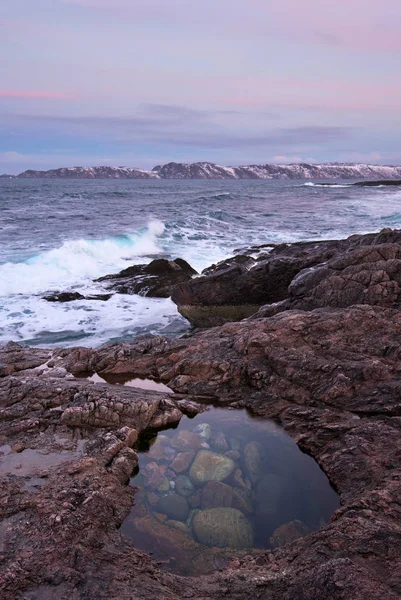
[[145, 82]]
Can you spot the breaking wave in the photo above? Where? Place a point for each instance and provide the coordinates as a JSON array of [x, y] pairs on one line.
[[78, 261]]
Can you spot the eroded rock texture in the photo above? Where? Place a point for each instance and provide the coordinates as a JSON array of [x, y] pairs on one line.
[[330, 375], [362, 269]]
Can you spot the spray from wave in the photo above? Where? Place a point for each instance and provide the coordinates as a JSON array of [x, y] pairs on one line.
[[78, 262]]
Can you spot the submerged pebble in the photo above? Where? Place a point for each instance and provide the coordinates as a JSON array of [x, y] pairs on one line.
[[223, 527]]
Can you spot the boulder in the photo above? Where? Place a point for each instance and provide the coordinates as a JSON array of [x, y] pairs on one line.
[[210, 466], [253, 460], [302, 275], [223, 527], [182, 461], [156, 280], [179, 525], [186, 440], [204, 431], [242, 499], [219, 442], [215, 494], [153, 475], [184, 486], [71, 296]]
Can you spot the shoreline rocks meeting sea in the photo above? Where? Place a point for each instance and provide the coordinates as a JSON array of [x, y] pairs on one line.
[[305, 335]]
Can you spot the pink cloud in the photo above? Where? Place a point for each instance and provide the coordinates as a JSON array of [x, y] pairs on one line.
[[36, 95]]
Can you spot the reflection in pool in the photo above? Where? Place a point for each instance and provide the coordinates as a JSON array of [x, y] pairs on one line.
[[222, 485], [128, 381]]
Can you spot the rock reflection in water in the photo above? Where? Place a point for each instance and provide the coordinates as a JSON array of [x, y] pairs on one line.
[[128, 381], [221, 485]]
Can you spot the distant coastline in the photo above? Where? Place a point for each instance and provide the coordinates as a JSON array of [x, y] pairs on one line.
[[207, 170]]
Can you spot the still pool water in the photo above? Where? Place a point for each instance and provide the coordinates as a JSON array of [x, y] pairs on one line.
[[221, 485]]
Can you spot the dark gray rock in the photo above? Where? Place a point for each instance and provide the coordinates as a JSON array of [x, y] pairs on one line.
[[156, 280]]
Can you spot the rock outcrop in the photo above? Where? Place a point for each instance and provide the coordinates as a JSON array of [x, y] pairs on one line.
[[156, 280], [359, 270], [330, 375]]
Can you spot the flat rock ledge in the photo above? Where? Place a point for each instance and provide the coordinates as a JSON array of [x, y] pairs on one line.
[[331, 376]]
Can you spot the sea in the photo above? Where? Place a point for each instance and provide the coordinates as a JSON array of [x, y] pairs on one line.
[[60, 235]]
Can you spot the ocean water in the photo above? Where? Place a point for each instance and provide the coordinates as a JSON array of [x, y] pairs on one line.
[[59, 235]]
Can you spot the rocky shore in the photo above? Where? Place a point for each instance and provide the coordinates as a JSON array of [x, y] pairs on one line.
[[319, 352]]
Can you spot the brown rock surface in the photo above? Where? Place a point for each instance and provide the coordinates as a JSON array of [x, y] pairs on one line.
[[330, 375], [182, 461]]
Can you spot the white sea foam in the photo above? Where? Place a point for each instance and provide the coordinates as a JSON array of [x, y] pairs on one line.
[[327, 185], [83, 322], [77, 262]]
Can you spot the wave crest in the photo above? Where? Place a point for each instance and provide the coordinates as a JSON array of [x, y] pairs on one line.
[[78, 261]]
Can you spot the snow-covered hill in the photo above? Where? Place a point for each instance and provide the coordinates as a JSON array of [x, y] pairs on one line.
[[206, 170]]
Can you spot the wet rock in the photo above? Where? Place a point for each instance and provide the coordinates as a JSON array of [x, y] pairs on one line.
[[288, 533], [180, 548], [268, 492], [233, 454], [204, 431], [192, 515], [186, 440], [182, 461], [160, 517], [238, 480], [71, 296], [219, 442], [157, 448], [243, 500], [184, 486], [124, 464], [216, 493], [210, 466], [180, 526], [156, 280], [223, 527], [174, 506], [253, 460], [164, 486], [212, 299], [153, 475]]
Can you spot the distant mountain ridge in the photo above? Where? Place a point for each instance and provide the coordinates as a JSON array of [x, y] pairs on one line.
[[207, 170]]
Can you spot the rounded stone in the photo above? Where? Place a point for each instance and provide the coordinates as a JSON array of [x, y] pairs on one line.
[[253, 460], [164, 486], [179, 525], [223, 527], [216, 493], [219, 442], [186, 440], [210, 466], [184, 486], [182, 461], [203, 430], [174, 506]]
